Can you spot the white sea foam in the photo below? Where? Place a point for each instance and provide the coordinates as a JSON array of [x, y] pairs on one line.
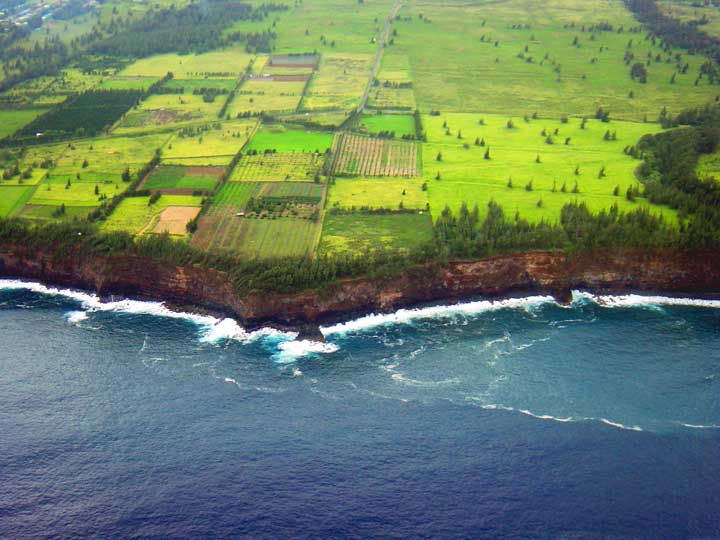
[[290, 351], [619, 425], [639, 300], [700, 426], [408, 316], [75, 317]]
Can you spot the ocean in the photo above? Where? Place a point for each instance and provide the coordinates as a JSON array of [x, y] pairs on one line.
[[515, 419]]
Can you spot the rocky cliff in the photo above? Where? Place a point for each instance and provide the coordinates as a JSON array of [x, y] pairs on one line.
[[692, 273]]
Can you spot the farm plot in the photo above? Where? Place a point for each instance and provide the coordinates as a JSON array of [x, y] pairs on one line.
[[376, 193], [49, 212], [136, 215], [174, 219], [339, 82], [266, 95], [12, 120], [357, 155], [229, 63], [397, 124], [161, 109], [302, 60], [296, 167], [233, 194], [279, 138], [360, 233], [392, 97], [182, 180], [13, 198], [213, 144]]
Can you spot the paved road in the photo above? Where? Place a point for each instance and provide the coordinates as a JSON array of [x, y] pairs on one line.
[[378, 54]]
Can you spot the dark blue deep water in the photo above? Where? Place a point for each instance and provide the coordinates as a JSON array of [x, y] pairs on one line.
[[522, 420]]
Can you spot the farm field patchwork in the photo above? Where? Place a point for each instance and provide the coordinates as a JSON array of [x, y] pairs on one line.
[[595, 164], [137, 216], [256, 96], [358, 155]]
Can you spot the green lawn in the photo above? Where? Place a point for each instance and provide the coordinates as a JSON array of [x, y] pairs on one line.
[[358, 233]]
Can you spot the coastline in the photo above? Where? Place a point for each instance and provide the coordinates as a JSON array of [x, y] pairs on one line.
[[206, 291]]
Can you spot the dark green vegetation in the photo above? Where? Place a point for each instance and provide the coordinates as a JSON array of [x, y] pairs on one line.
[[85, 115], [262, 139]]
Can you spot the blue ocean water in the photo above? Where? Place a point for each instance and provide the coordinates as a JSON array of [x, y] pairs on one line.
[[520, 419]]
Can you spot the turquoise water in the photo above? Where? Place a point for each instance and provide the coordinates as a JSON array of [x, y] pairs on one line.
[[513, 419]]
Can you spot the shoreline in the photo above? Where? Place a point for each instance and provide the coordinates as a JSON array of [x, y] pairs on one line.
[[202, 291]]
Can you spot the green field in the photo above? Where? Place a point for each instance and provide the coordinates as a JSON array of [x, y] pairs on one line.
[[136, 216], [234, 194], [296, 167], [190, 178], [13, 198], [465, 72], [360, 233], [12, 120], [398, 124], [230, 63], [386, 193], [288, 139], [338, 83], [466, 176]]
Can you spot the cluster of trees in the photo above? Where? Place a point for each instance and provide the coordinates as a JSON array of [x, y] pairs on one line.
[[21, 64], [85, 114], [672, 31], [197, 27]]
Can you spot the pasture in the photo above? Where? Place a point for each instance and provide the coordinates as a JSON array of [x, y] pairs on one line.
[[338, 83], [478, 60], [387, 193], [360, 233], [174, 178], [230, 63], [284, 139], [13, 119], [267, 95], [399, 124], [456, 154], [13, 198], [213, 145]]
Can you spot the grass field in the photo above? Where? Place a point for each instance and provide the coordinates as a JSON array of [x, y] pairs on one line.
[[266, 96], [399, 124], [211, 147], [44, 213], [464, 71], [168, 108], [134, 215], [182, 178], [359, 233], [234, 194], [339, 82], [465, 176], [13, 198], [287, 139], [127, 83], [298, 167], [12, 120], [229, 63], [377, 193]]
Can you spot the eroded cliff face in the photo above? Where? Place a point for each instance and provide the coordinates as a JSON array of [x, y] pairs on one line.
[[694, 273]]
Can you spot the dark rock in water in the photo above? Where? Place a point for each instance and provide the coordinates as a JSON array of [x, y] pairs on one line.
[[310, 332], [563, 295]]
